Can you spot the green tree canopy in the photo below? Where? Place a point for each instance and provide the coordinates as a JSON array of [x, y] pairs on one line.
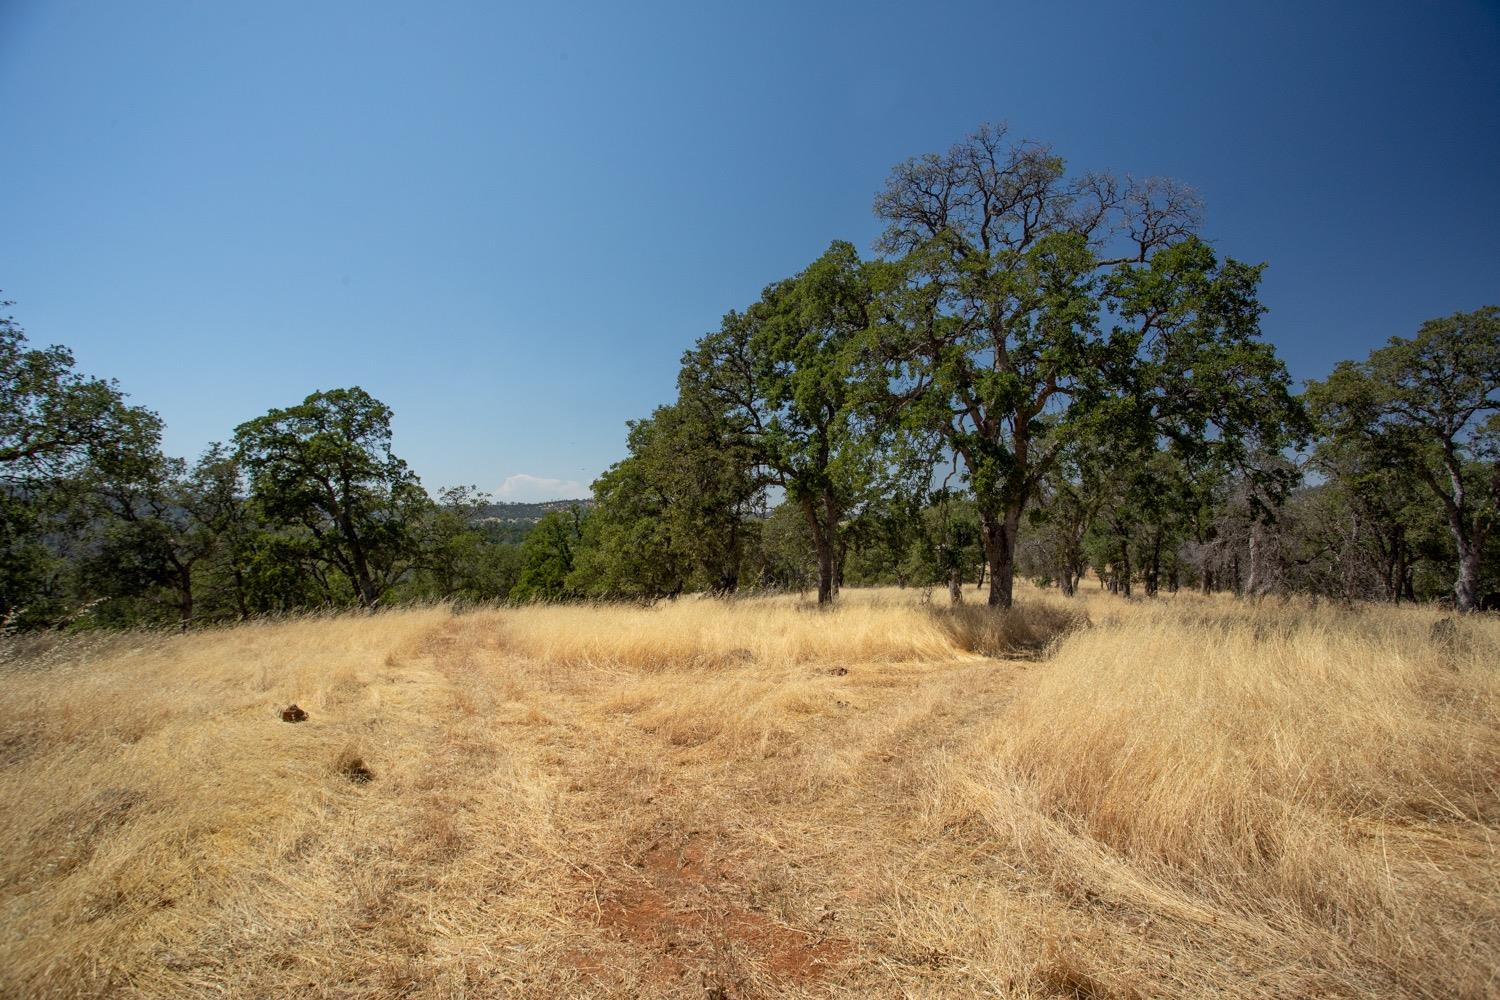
[[996, 337], [1430, 404], [791, 376], [53, 419], [324, 469], [547, 557]]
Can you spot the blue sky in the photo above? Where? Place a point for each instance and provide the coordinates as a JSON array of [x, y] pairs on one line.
[[509, 221]]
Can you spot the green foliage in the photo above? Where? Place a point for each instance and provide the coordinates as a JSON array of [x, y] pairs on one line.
[[628, 547], [1426, 407], [672, 514], [53, 420], [324, 470], [547, 557], [792, 377], [995, 335], [51, 417], [1091, 369], [786, 556], [457, 560], [948, 551]]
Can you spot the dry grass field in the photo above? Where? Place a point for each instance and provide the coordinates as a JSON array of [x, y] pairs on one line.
[[1187, 797]]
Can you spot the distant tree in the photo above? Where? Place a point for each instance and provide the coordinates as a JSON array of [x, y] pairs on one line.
[[673, 513], [628, 545], [324, 469], [142, 506], [994, 336], [1364, 513], [786, 556], [547, 557], [950, 552], [215, 496], [1068, 499], [1431, 404], [456, 559], [882, 538], [790, 376]]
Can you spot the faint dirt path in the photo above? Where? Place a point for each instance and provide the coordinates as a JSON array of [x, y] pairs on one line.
[[528, 834]]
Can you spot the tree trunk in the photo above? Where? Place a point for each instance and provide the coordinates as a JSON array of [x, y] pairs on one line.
[[1153, 567], [239, 594], [999, 537], [1255, 583], [359, 576], [185, 598], [956, 585], [825, 570], [826, 546], [1466, 589]]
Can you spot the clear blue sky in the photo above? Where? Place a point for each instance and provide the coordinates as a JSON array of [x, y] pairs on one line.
[[508, 221]]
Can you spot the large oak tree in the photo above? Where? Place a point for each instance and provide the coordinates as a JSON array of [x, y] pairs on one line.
[[1035, 302], [325, 468]]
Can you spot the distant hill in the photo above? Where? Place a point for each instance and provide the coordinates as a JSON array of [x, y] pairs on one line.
[[526, 513]]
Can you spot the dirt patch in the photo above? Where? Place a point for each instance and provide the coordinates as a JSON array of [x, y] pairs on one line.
[[681, 907]]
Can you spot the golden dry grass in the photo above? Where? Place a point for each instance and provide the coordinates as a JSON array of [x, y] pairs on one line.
[[1191, 797]]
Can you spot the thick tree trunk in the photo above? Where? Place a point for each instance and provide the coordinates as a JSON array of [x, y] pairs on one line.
[[825, 542], [999, 536], [1466, 589], [1255, 583], [840, 560], [825, 573], [185, 602], [1066, 582]]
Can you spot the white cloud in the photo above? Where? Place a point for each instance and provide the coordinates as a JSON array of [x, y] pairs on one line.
[[530, 489]]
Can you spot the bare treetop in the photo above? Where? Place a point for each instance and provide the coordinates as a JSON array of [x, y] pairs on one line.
[[991, 193]]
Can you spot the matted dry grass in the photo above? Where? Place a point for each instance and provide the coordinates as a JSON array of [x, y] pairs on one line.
[[1188, 797]]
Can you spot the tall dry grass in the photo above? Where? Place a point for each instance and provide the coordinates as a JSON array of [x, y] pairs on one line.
[[1312, 790], [1104, 798]]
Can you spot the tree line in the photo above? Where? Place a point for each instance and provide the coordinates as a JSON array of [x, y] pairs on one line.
[[1039, 372]]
